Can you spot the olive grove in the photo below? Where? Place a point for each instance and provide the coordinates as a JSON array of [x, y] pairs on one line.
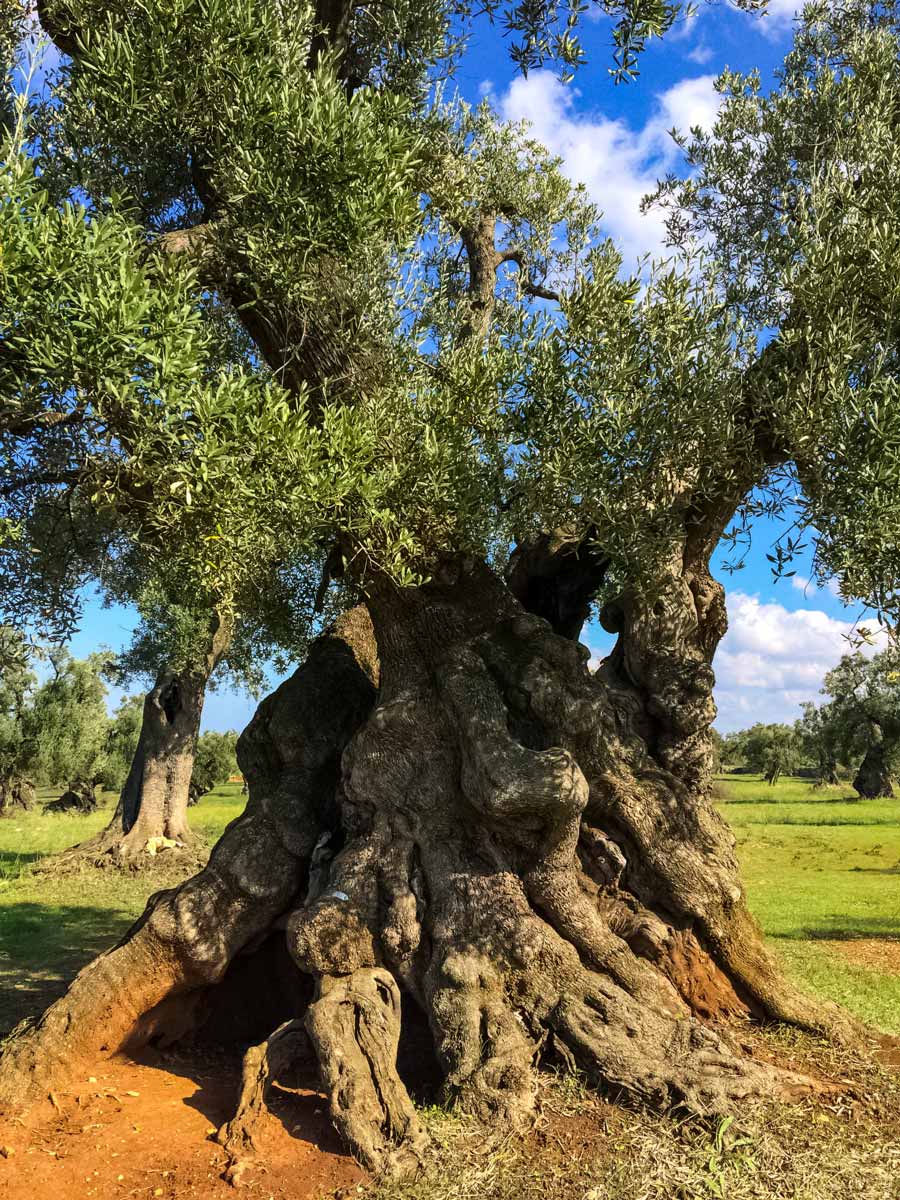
[[456, 408]]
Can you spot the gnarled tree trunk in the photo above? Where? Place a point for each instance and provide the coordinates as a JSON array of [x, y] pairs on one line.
[[448, 810], [873, 779], [153, 803], [16, 796], [79, 797]]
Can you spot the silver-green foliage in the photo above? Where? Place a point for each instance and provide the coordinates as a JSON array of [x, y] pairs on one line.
[[759, 367]]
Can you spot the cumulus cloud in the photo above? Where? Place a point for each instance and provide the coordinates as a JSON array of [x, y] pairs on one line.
[[779, 16], [809, 587], [772, 660], [619, 165]]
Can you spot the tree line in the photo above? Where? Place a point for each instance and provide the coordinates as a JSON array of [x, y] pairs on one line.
[[56, 731], [855, 732]]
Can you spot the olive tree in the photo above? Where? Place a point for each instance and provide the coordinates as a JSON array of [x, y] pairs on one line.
[[214, 763], [818, 734], [66, 725], [772, 750], [17, 681], [447, 809], [121, 742], [863, 717]]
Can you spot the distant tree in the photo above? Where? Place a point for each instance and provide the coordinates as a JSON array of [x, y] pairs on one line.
[[864, 715], [733, 748], [772, 750], [17, 680], [121, 742], [214, 762], [717, 745], [820, 742], [180, 653], [67, 725]]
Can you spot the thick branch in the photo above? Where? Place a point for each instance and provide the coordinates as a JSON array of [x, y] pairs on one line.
[[56, 22], [332, 35], [529, 286], [40, 479]]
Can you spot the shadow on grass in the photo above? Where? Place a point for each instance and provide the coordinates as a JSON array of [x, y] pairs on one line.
[[885, 929], [823, 822], [777, 800], [43, 946], [13, 862]]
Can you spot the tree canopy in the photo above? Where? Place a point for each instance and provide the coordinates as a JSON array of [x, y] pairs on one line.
[[328, 234]]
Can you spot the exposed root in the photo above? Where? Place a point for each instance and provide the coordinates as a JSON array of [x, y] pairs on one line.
[[188, 935], [263, 1065], [520, 844], [354, 1026], [166, 857]]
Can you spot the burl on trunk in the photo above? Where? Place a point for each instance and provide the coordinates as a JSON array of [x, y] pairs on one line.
[[450, 813]]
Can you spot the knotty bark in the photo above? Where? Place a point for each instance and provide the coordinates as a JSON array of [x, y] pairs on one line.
[[515, 845], [155, 983], [16, 795], [873, 779]]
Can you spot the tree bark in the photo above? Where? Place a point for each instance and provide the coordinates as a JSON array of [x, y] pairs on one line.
[[523, 849], [16, 796], [153, 803], [873, 779], [79, 796]]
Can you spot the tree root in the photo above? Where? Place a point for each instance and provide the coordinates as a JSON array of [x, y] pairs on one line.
[[354, 1025], [188, 935], [501, 836], [263, 1065]]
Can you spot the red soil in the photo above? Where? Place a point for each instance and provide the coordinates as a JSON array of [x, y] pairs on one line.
[[145, 1130]]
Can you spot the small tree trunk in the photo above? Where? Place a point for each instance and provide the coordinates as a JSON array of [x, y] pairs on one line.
[[153, 803], [873, 779], [827, 773], [16, 796]]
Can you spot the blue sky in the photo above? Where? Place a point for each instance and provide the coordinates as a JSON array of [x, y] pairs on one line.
[[783, 635]]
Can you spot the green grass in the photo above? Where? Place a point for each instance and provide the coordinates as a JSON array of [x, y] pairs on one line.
[[820, 866], [51, 925]]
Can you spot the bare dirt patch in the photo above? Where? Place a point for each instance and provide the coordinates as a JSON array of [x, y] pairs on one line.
[[145, 1130], [875, 954]]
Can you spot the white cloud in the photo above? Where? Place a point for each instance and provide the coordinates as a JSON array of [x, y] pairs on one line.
[[809, 587], [771, 660], [700, 54], [779, 15], [618, 165]]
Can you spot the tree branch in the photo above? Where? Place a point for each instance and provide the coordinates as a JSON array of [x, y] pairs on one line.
[[40, 479], [58, 30], [529, 287]]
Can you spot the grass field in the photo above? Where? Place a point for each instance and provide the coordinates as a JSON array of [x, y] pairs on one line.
[[822, 874], [823, 877], [50, 926]]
